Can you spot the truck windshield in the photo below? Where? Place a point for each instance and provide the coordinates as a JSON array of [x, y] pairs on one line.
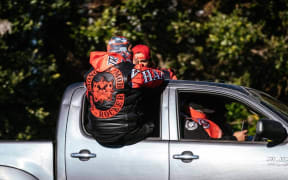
[[271, 102]]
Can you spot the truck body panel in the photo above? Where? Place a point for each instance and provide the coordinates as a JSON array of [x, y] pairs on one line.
[[33, 158], [77, 155], [138, 161]]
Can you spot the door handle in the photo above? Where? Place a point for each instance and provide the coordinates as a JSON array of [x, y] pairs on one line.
[[83, 155], [186, 156]]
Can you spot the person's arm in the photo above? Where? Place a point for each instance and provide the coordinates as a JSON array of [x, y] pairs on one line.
[[172, 74], [146, 77]]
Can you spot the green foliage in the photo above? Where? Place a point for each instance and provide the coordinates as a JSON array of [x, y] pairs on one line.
[[29, 72], [45, 45], [231, 36], [237, 114]]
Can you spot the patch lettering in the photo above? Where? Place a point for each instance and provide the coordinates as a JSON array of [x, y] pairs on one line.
[[112, 60], [147, 76], [134, 73], [205, 124]]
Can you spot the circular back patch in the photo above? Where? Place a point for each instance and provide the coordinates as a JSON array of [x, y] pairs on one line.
[[101, 87], [191, 125]]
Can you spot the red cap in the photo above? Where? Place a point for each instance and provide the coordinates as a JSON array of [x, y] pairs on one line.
[[143, 49]]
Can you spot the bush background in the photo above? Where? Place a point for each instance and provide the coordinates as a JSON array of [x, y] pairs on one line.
[[45, 45]]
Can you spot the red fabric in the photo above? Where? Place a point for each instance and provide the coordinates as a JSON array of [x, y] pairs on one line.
[[171, 73], [140, 77], [103, 60], [212, 129], [146, 77], [140, 48], [142, 52]]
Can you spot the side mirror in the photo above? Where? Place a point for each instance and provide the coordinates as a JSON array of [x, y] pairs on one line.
[[272, 130]]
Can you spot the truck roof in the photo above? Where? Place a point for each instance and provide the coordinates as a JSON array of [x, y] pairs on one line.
[[241, 89]]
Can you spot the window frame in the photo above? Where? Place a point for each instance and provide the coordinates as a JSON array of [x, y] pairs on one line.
[[84, 113], [225, 93]]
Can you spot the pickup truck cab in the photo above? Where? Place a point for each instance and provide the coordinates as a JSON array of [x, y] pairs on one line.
[[170, 153]]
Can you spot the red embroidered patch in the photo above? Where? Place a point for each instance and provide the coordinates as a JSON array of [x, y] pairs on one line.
[[102, 90]]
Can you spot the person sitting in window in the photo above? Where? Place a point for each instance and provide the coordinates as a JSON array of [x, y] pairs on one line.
[[115, 92], [141, 55]]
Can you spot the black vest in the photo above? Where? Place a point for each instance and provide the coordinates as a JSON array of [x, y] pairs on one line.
[[114, 108]]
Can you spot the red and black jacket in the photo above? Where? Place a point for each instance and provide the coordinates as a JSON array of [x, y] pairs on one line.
[[115, 89]]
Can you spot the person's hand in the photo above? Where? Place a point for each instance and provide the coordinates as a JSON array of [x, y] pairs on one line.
[[240, 135]]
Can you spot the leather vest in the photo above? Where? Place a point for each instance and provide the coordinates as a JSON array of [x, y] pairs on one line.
[[114, 106]]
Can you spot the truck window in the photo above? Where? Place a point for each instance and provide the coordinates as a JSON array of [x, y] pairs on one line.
[[152, 113], [214, 117]]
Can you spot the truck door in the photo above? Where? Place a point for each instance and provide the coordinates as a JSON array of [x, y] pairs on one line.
[[212, 160], [86, 159], [195, 157]]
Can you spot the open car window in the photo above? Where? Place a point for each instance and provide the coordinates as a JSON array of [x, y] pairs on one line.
[[215, 117], [152, 113]]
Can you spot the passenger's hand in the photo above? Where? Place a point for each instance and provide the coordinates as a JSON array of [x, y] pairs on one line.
[[240, 135]]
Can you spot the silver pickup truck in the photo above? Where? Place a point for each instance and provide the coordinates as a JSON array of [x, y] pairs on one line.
[[171, 153]]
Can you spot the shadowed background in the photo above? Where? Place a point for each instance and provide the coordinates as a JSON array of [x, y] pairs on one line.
[[45, 45]]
